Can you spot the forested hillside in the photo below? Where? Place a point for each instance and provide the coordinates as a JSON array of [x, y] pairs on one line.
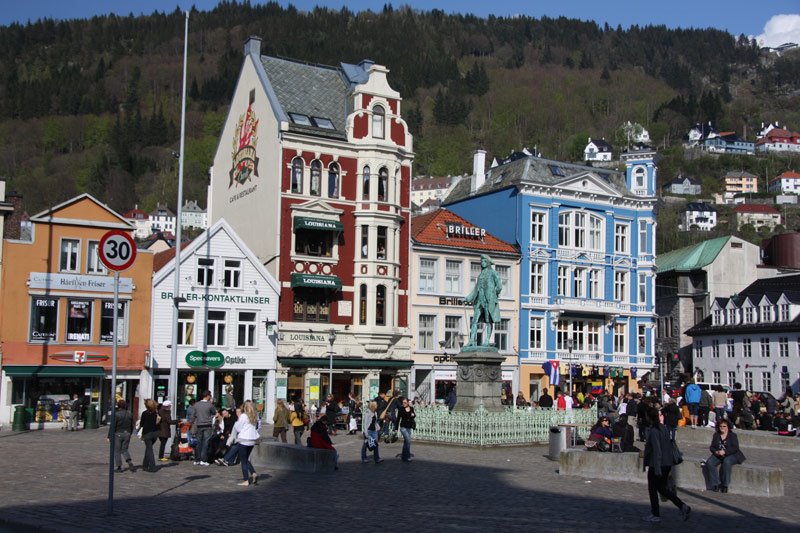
[[93, 105]]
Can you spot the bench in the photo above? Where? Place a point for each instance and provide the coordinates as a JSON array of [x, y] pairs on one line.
[[282, 456], [745, 478], [747, 439]]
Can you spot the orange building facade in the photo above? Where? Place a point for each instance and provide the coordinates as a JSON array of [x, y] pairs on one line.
[[56, 315]]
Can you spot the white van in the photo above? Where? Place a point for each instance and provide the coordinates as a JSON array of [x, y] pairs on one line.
[[712, 386]]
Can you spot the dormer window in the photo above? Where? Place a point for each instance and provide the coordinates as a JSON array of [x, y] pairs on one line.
[[718, 317], [784, 310], [378, 122], [731, 316], [764, 313], [748, 315]]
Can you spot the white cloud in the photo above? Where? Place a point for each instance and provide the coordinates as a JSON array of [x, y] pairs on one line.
[[780, 29]]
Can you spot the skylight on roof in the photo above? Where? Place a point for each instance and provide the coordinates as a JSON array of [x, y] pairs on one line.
[[299, 118], [556, 170], [323, 123]]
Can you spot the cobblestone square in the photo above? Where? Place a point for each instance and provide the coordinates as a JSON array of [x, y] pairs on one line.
[[58, 481]]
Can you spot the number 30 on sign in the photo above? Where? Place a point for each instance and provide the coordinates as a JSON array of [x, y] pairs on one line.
[[117, 250]]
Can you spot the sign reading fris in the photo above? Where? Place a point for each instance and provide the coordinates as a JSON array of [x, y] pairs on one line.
[[245, 161]]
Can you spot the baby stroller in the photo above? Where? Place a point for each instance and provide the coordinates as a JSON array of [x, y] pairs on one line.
[[183, 444]]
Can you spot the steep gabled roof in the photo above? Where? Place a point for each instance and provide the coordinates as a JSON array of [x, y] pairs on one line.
[[700, 206], [692, 257], [601, 144], [430, 229], [70, 211]]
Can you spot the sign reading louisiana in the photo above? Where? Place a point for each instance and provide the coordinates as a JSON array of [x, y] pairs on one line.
[[245, 161]]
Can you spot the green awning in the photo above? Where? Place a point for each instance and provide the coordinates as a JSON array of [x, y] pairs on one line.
[[343, 362], [320, 224], [315, 281], [54, 371]]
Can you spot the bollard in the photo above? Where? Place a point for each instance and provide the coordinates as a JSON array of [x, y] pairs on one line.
[[90, 417], [20, 422]]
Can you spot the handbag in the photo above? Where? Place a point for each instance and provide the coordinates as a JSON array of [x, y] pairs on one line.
[[677, 455], [371, 443]]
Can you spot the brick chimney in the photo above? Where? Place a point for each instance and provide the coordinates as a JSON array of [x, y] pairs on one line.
[[11, 228]]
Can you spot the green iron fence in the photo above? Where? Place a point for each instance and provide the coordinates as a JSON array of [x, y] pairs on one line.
[[508, 427]]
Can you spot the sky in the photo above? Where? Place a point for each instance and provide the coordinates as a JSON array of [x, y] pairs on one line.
[[771, 22]]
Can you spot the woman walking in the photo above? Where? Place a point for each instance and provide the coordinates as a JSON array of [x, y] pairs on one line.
[[370, 427], [246, 429], [658, 458], [122, 435], [149, 424], [407, 425], [281, 420], [164, 429]]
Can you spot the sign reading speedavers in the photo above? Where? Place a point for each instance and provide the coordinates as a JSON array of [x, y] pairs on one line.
[[196, 358]]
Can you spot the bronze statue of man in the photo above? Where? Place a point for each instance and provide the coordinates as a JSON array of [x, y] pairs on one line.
[[484, 300]]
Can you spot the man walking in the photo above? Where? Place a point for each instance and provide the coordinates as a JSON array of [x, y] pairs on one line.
[[74, 412], [203, 418]]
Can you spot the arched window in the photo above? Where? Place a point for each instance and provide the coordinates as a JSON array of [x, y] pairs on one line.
[[639, 175], [383, 184], [362, 305], [333, 180], [365, 189], [378, 122], [297, 175], [380, 306], [316, 178]]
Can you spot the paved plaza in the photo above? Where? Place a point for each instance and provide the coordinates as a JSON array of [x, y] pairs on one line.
[[57, 481]]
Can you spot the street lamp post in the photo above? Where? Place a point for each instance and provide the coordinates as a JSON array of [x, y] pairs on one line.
[[331, 339], [569, 365]]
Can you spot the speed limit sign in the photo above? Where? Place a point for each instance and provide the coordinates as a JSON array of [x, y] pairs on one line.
[[117, 250]]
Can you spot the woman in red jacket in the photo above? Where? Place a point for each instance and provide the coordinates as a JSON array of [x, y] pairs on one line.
[[320, 439]]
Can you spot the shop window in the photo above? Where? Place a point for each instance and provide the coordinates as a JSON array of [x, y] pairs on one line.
[[364, 242], [44, 319], [314, 243], [107, 322], [380, 306], [381, 242], [93, 263], [365, 188], [186, 327], [232, 275], [316, 178], [205, 271], [70, 253], [383, 184], [79, 321], [362, 305], [297, 175], [246, 330], [215, 328], [426, 333], [311, 305], [378, 122], [333, 180]]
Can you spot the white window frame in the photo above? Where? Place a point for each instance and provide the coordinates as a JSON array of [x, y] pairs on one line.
[[783, 346], [187, 327], [620, 337], [620, 286], [452, 277], [426, 332], [715, 348], [784, 312], [643, 248], [207, 270], [73, 255], [378, 122], [716, 377], [452, 331], [536, 333], [504, 271], [765, 350], [642, 288], [427, 277], [538, 279], [698, 349], [501, 335], [576, 230], [595, 285], [766, 381], [593, 336], [621, 238], [474, 273], [46, 301], [748, 380], [93, 263], [250, 329], [217, 324], [747, 348], [90, 303], [730, 348], [233, 274], [539, 227], [579, 282], [562, 281]]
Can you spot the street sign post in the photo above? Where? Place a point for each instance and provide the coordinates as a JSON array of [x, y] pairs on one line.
[[117, 253]]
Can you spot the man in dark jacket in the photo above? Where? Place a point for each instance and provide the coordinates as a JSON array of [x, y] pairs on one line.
[[123, 427], [545, 400], [202, 421], [671, 416], [623, 431], [641, 418]]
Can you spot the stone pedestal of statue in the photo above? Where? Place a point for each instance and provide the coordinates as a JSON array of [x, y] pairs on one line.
[[479, 379]]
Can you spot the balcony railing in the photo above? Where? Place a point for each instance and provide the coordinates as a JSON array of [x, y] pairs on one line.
[[588, 358]]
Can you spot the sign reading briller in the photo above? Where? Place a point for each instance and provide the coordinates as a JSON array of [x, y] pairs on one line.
[[197, 358]]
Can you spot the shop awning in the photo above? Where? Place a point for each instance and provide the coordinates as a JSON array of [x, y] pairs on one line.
[[54, 371], [315, 281], [343, 362], [320, 224]]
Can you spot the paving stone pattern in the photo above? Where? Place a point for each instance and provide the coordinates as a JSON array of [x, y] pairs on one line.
[[57, 481]]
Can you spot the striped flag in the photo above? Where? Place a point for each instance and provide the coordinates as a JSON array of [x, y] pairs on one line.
[[551, 369]]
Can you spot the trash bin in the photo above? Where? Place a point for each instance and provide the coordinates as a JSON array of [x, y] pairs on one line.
[[20, 422], [90, 417], [558, 442]]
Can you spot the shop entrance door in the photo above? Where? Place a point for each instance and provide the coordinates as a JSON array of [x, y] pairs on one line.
[[229, 389], [190, 385]]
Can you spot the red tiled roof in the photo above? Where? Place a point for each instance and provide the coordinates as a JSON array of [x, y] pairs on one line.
[[756, 208], [162, 258], [788, 175], [135, 214], [430, 229]]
